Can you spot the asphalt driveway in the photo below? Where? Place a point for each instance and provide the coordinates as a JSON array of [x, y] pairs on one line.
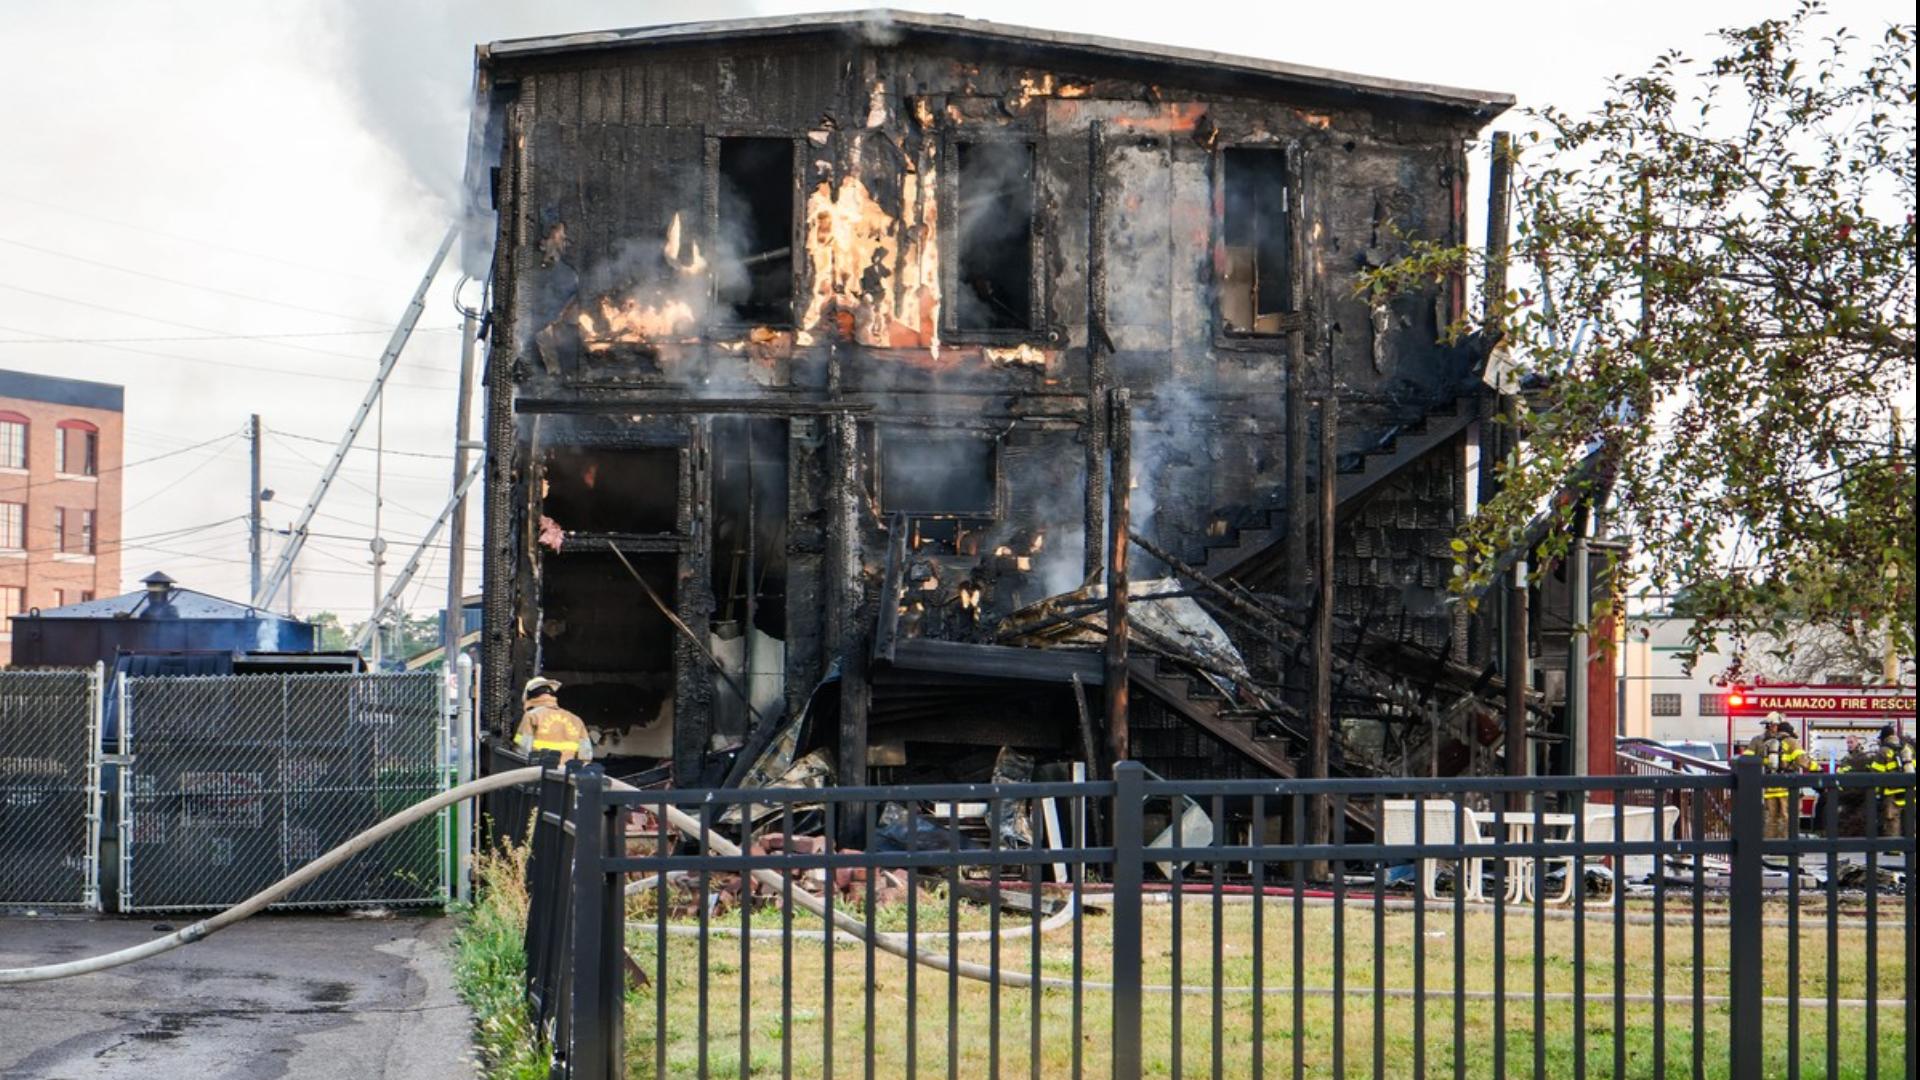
[[276, 996]]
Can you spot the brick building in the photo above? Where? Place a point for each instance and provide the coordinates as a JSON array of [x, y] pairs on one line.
[[61, 443]]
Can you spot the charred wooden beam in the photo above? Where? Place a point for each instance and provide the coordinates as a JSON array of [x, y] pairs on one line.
[[649, 404], [1320, 710], [1120, 498], [1099, 367]]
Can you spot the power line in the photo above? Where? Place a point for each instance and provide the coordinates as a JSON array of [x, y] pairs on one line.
[[367, 449], [199, 240], [169, 322], [132, 464], [253, 369], [181, 479], [250, 298], [221, 337]]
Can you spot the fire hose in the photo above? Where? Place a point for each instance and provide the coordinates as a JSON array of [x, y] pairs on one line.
[[895, 944], [258, 902]]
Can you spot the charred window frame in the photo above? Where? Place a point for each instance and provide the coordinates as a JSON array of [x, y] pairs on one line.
[[1258, 271], [991, 287], [753, 210], [945, 484]]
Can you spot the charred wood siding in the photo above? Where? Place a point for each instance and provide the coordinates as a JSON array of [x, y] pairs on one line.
[[605, 324]]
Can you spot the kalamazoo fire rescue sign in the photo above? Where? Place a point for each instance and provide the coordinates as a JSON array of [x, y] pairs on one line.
[[1813, 701]]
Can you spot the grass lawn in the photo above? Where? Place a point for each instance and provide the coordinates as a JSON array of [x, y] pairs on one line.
[[791, 1015], [802, 997]]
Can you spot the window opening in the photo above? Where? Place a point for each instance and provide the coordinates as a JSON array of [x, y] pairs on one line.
[[13, 442], [755, 278], [1257, 233], [13, 600], [77, 450], [1665, 704], [612, 489], [995, 236], [944, 484], [13, 526]]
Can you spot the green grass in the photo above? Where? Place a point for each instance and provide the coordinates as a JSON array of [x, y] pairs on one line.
[[489, 967], [804, 1033], [797, 1017]]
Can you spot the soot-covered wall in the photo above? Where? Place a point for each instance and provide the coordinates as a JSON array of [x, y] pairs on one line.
[[976, 249]]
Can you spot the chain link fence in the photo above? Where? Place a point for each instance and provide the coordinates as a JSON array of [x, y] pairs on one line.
[[49, 809], [237, 781]]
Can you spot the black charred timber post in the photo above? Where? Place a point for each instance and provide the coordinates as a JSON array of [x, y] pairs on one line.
[[1320, 710], [1296, 419], [1499, 224], [1517, 667], [693, 599], [1119, 489], [1099, 368], [845, 600]]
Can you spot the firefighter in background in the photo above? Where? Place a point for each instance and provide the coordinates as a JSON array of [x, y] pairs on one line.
[[1895, 756], [1779, 752], [546, 727]]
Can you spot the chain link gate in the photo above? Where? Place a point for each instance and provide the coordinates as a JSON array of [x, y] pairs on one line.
[[49, 794], [234, 782]]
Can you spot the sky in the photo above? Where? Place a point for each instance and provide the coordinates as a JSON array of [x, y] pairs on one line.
[[224, 206]]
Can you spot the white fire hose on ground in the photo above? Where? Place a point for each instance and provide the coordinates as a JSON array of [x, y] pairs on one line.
[[896, 944], [258, 902]]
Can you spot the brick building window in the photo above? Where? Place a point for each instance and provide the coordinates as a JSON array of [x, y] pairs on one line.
[[1713, 704], [13, 526], [77, 451], [13, 600], [1665, 704], [73, 531], [13, 441]]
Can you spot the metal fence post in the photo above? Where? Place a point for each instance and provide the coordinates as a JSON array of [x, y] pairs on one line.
[[1745, 915], [1129, 829], [589, 1053]]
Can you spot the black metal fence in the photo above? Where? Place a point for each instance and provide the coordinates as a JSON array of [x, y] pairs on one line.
[[1494, 927]]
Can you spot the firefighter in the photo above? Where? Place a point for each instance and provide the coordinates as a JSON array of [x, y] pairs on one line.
[[1780, 753], [1895, 756], [546, 727]]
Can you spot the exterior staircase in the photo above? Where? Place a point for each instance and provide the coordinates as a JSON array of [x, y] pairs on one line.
[[1252, 553]]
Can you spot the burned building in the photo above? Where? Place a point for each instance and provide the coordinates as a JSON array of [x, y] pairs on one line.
[[803, 338]]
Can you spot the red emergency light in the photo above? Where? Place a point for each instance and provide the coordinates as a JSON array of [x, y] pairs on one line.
[[1734, 700]]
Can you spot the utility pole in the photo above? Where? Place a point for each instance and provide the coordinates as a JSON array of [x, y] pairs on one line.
[[455, 620], [253, 509], [378, 545]]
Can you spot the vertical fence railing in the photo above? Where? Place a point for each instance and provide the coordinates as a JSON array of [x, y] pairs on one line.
[[49, 788], [1505, 941], [232, 782]]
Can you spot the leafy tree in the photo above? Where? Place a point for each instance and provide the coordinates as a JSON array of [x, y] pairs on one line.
[[334, 635], [1718, 330]]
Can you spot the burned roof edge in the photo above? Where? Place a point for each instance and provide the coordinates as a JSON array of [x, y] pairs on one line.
[[875, 25]]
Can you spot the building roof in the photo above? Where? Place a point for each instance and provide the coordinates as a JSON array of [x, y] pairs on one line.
[[886, 26], [58, 391], [181, 604]]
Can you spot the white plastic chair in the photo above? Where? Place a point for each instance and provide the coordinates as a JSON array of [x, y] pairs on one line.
[[1397, 827], [1638, 823]]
